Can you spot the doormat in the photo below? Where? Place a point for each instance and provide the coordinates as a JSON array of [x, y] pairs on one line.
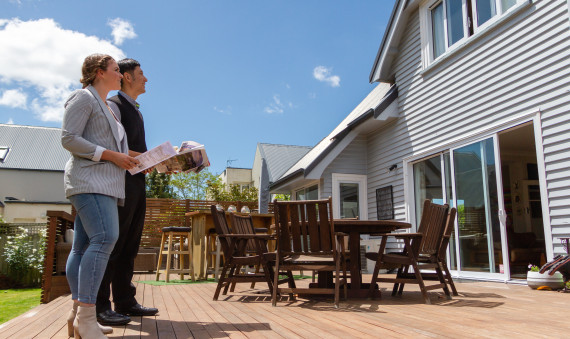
[[176, 282]]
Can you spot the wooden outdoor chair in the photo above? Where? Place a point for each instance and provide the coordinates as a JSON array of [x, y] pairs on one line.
[[243, 224], [417, 246], [306, 241], [234, 248], [441, 256]]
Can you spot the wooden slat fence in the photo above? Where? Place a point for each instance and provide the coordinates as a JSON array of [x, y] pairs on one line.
[[171, 212]]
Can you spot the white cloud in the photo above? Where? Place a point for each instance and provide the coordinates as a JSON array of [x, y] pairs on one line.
[[227, 110], [10, 122], [43, 59], [275, 107], [323, 74], [122, 30], [312, 95], [14, 98]]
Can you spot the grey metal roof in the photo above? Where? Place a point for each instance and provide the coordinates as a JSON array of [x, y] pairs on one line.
[[364, 108], [279, 158], [33, 148]]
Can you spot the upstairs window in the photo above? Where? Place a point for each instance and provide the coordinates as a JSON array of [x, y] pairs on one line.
[[451, 21]]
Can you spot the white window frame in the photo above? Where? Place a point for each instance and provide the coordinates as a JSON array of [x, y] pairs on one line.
[[361, 180], [426, 26]]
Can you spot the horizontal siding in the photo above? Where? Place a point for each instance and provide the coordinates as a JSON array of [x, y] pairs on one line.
[[522, 66], [352, 160]]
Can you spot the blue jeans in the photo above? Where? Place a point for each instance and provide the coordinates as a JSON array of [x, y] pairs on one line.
[[96, 231]]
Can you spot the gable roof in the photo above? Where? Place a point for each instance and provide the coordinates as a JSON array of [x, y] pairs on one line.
[[33, 148], [279, 158], [381, 69], [362, 112]]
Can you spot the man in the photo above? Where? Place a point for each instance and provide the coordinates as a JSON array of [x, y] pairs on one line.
[[119, 272]]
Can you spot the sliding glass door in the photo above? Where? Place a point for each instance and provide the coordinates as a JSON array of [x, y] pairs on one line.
[[478, 226], [465, 177]]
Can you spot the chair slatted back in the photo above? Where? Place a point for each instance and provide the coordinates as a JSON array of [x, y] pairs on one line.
[[305, 226], [222, 228], [449, 226], [242, 224], [432, 225]]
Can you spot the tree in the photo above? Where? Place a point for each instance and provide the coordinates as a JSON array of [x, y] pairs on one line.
[[282, 197], [158, 185], [192, 185], [218, 191]]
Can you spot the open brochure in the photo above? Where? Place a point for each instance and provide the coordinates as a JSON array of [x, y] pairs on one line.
[[190, 157]]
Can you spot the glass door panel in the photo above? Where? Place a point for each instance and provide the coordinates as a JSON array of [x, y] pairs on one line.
[[427, 184], [477, 207], [349, 207]]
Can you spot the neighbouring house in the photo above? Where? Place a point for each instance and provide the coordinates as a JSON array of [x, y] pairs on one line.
[[32, 162], [237, 176], [472, 109], [271, 161]]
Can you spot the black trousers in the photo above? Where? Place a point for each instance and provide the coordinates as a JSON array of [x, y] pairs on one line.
[[119, 272]]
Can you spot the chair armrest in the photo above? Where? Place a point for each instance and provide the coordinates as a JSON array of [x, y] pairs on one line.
[[246, 236], [400, 235], [407, 235]]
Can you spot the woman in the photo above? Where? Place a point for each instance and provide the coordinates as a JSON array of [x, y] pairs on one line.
[[95, 184]]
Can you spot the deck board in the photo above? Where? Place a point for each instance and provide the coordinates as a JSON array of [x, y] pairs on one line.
[[482, 310]]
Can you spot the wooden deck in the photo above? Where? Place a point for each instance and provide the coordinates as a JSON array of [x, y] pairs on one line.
[[483, 309]]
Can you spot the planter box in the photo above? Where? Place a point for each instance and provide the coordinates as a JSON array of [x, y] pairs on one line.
[[536, 279]]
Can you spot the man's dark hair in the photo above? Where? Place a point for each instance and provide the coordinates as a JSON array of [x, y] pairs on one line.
[[127, 65]]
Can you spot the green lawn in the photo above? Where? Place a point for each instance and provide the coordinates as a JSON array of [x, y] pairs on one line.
[[15, 302]]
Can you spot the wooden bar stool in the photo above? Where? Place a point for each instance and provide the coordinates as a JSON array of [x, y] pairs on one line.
[[213, 254], [172, 235]]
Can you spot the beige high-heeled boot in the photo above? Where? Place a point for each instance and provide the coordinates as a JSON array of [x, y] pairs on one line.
[[85, 324], [71, 318]]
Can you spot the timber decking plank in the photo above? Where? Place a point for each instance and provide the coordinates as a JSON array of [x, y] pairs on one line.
[[482, 310], [34, 322], [248, 325], [196, 328], [163, 325], [179, 326], [230, 329], [213, 329]]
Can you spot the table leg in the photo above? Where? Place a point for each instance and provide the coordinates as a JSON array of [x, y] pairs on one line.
[[357, 288]]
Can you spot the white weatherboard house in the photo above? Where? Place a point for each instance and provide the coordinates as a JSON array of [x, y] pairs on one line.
[[477, 116]]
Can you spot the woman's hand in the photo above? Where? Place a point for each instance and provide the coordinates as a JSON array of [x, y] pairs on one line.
[[120, 159]]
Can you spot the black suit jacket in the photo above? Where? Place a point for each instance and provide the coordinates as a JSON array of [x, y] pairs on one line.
[[134, 126]]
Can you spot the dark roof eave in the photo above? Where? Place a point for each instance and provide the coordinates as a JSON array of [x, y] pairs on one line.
[[388, 99], [298, 172], [388, 28]]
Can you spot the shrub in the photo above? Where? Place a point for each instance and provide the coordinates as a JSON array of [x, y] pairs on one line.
[[24, 256]]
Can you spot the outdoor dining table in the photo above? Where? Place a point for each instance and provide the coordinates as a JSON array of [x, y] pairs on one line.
[[354, 228], [203, 224]]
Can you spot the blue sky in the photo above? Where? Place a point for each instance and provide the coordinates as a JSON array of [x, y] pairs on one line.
[[228, 74]]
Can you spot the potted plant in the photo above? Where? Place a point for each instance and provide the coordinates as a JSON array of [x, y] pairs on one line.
[[535, 279]]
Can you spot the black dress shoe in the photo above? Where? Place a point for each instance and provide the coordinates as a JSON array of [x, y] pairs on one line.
[[138, 310], [112, 318]]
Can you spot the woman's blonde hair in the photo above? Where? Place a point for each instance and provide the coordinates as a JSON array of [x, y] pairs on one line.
[[91, 65]]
